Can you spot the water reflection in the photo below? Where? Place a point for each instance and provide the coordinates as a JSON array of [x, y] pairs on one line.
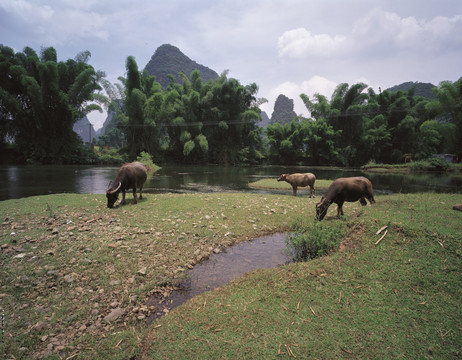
[[94, 180], [22, 181]]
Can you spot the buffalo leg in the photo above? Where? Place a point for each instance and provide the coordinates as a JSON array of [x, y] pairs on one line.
[[141, 194], [312, 191], [134, 195], [363, 201], [123, 198], [294, 189], [339, 210]]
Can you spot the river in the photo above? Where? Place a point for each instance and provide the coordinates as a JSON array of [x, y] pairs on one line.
[[23, 181]]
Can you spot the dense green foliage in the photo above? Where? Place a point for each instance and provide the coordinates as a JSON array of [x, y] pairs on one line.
[[40, 100], [357, 126], [193, 121]]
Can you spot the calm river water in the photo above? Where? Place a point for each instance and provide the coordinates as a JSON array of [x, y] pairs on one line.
[[22, 181]]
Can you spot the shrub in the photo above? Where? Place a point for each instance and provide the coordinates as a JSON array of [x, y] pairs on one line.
[[432, 164], [108, 155], [146, 159], [311, 242]]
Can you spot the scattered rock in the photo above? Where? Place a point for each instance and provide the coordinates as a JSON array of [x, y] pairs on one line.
[[40, 326], [114, 314], [68, 278], [142, 271]]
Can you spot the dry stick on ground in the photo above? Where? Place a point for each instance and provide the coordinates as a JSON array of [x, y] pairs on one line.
[[379, 240], [381, 229]]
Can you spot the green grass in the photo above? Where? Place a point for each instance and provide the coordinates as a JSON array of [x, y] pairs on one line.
[[100, 251], [433, 164], [398, 299]]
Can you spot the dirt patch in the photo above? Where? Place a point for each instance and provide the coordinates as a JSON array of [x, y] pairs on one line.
[[354, 238]]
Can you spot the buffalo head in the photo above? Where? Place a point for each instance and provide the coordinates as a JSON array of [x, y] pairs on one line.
[[321, 208], [112, 195], [282, 177]]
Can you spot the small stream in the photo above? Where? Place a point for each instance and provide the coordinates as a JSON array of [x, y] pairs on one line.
[[221, 268]]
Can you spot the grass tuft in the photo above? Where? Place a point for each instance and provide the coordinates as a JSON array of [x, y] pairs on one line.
[[314, 240]]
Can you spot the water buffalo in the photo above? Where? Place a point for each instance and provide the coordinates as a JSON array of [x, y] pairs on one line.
[[130, 176], [297, 179], [349, 189]]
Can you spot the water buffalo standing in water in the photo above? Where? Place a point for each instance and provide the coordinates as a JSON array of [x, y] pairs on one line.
[[349, 189], [130, 176], [301, 180]]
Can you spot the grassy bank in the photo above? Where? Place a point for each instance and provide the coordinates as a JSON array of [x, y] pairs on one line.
[[429, 165], [282, 185], [397, 299], [76, 278], [67, 262]]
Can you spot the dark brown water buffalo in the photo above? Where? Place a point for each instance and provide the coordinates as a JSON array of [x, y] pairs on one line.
[[349, 189], [301, 180], [130, 176]]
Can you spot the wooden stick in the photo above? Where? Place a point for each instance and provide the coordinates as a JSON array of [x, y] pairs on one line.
[[379, 240], [381, 229]]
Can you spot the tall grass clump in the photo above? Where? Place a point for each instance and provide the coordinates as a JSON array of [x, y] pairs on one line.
[[315, 240]]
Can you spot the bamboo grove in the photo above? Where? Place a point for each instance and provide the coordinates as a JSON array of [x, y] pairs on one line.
[[215, 121]]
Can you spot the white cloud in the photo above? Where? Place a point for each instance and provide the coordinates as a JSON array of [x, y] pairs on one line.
[[27, 10], [420, 35], [300, 43], [378, 33], [60, 24]]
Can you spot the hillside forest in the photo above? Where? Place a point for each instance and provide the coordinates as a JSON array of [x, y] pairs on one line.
[[193, 121]]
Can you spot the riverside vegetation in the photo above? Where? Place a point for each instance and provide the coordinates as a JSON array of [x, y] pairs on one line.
[[76, 278]]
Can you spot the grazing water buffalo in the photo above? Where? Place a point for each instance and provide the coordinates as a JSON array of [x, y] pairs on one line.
[[130, 176], [297, 180], [349, 189]]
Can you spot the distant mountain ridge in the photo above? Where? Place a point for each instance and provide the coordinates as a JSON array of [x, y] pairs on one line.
[[85, 129], [421, 89], [169, 60]]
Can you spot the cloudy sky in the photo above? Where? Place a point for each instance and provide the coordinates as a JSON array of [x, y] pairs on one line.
[[286, 47]]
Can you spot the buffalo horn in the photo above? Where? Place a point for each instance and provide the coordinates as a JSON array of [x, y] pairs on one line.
[[116, 189]]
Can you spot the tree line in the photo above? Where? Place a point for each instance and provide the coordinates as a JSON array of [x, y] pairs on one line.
[[357, 125], [214, 121]]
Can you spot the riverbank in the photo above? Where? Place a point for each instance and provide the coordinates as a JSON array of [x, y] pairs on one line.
[[76, 278], [430, 165], [273, 184]]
